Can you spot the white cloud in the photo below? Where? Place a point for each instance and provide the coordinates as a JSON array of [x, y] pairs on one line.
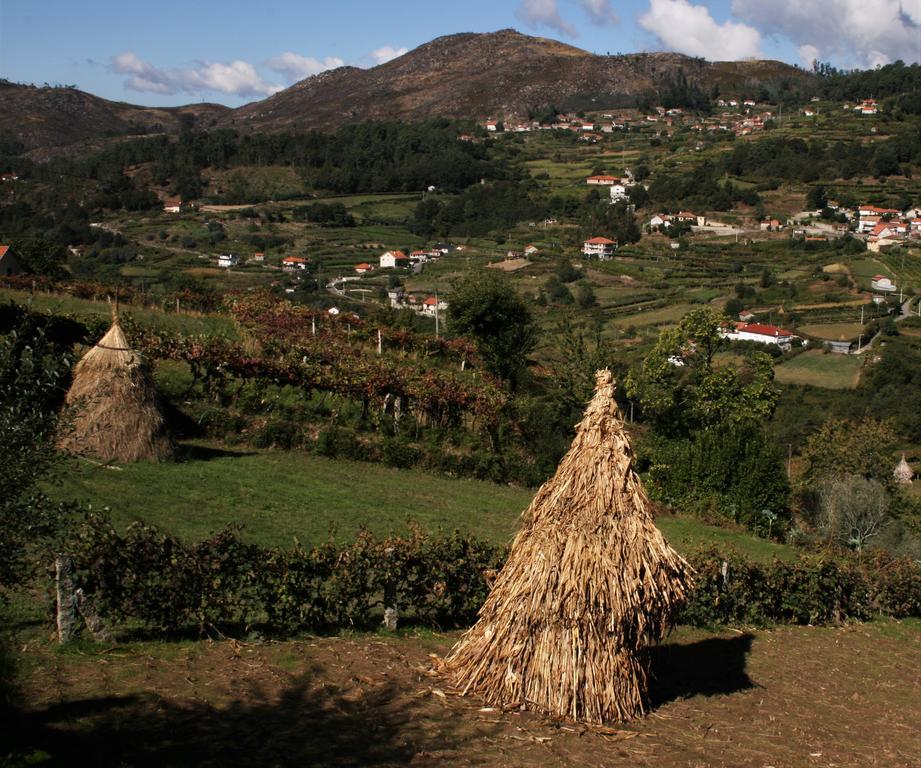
[[536, 13], [238, 78], [544, 13], [853, 33], [601, 12], [808, 54], [386, 53], [690, 29], [296, 67]]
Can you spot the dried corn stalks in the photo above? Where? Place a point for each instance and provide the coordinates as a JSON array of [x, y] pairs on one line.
[[589, 583]]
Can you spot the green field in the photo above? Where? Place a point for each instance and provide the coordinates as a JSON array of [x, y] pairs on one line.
[[156, 319], [820, 369], [281, 495], [833, 331]]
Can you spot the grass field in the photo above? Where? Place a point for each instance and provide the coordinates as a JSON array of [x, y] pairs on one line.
[[833, 331], [85, 309], [281, 495], [819, 369]]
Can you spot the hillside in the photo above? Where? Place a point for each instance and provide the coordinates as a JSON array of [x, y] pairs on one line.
[[45, 117], [500, 74]]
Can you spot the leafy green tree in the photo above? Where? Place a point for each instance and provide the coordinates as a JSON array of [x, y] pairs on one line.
[[33, 373], [585, 296], [681, 389], [487, 309], [841, 447]]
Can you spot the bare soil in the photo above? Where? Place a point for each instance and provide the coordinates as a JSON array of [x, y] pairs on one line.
[[840, 697]]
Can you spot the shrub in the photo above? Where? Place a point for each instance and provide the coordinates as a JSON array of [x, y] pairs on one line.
[[225, 585]]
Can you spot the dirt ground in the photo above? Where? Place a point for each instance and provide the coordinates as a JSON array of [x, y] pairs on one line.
[[802, 696]]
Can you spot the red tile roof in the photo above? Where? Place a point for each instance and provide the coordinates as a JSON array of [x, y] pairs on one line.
[[3, 249], [600, 241], [762, 330]]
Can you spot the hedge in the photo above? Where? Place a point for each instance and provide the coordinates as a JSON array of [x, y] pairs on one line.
[[225, 585]]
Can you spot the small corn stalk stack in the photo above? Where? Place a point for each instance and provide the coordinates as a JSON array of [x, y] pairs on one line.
[[113, 414], [589, 584]]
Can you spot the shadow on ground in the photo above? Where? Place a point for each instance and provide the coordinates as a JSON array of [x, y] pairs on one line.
[[711, 667], [310, 723], [191, 452]]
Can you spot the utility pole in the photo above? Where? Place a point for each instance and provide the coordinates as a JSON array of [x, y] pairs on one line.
[[437, 327]]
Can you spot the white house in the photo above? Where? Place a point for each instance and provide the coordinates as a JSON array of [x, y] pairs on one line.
[[294, 262], [618, 192], [432, 305], [604, 181], [492, 125], [530, 250], [260, 257], [227, 260], [659, 220], [600, 248], [763, 334], [172, 205], [363, 268], [881, 283], [393, 259]]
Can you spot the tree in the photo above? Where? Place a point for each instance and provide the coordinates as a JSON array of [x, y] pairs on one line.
[[681, 389], [33, 374], [852, 510], [817, 198], [487, 309], [585, 296], [863, 448]]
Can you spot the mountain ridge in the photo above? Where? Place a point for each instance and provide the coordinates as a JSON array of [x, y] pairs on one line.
[[503, 74]]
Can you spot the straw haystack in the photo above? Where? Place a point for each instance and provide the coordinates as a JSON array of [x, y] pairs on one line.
[[114, 414], [590, 582], [903, 473]]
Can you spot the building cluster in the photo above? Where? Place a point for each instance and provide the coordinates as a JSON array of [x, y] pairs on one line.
[[618, 187], [430, 306]]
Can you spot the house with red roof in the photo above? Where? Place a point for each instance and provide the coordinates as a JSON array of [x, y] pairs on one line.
[[362, 268], [602, 181], [294, 262], [393, 259], [9, 264], [600, 248], [760, 333]]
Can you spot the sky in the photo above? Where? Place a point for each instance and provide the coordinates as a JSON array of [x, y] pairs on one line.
[[235, 51]]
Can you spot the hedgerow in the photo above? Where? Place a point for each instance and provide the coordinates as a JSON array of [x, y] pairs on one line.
[[147, 577]]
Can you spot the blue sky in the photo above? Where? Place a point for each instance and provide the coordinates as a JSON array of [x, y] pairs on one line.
[[233, 51]]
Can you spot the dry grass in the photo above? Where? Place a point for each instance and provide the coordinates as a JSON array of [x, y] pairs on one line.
[[113, 406], [590, 582]]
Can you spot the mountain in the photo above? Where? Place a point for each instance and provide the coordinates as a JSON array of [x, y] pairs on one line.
[[45, 117], [501, 74]]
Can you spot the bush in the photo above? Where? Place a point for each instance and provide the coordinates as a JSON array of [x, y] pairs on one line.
[[224, 585]]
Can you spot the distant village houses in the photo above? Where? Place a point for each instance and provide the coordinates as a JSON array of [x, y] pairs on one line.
[[227, 260], [600, 248]]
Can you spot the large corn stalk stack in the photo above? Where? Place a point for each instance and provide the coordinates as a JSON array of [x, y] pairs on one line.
[[590, 583]]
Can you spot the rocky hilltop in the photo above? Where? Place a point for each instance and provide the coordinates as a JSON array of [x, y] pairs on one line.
[[501, 74]]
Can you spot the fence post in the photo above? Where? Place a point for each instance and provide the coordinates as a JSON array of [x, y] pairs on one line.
[[66, 599], [390, 598]]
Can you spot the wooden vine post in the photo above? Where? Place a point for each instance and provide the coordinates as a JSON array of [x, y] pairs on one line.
[[66, 597]]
